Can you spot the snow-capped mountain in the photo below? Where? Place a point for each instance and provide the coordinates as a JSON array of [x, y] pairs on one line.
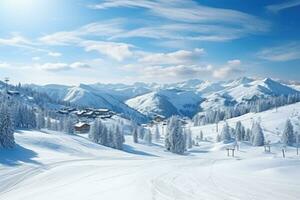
[[166, 102], [245, 90], [183, 98], [89, 96]]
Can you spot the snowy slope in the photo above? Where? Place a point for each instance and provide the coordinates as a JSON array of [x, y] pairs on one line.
[[272, 122], [47, 166], [166, 102]]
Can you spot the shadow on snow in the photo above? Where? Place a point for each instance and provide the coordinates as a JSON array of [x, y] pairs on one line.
[[132, 150], [14, 156]]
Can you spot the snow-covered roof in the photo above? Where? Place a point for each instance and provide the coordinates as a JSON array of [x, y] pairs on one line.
[[80, 124]]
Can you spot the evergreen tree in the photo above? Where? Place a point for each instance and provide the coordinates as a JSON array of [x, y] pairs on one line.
[[135, 135], [40, 120], [7, 139], [156, 134], [148, 137], [201, 136], [239, 131], [257, 135], [225, 134], [175, 138], [189, 141], [288, 137], [68, 126]]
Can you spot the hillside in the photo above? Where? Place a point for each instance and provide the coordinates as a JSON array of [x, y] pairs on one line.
[[166, 102]]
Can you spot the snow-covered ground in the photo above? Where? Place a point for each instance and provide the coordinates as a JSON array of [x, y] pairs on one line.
[[47, 166]]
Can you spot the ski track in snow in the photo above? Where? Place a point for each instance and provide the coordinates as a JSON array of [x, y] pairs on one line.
[[72, 168]]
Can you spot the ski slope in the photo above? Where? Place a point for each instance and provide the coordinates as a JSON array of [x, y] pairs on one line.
[[272, 122], [51, 165]]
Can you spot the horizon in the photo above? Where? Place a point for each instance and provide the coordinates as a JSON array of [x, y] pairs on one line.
[[144, 41]]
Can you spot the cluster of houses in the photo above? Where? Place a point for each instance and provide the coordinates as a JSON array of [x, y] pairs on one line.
[[90, 113], [86, 116]]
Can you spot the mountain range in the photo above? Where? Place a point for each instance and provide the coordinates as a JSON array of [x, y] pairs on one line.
[[144, 100]]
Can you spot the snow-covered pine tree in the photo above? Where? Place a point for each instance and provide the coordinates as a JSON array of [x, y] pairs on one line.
[[68, 126], [7, 139], [189, 141], [40, 120], [225, 134], [118, 138], [257, 135], [156, 134], [201, 136], [48, 123], [141, 132], [148, 137], [239, 131], [247, 135], [175, 139], [218, 138], [94, 131], [288, 137], [135, 135]]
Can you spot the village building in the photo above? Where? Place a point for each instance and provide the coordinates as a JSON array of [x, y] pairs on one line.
[[82, 127]]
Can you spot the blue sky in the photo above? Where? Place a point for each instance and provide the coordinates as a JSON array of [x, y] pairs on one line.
[[74, 41]]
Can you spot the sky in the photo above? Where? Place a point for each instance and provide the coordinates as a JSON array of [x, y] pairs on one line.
[[125, 41]]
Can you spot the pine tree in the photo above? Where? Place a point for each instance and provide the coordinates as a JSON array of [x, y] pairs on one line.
[[175, 138], [7, 139], [201, 136], [189, 141], [225, 134], [40, 120], [239, 131], [156, 134], [68, 126], [135, 135], [148, 137], [257, 134], [288, 137]]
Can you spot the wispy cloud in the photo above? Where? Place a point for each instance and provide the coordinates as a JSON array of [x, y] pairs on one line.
[[117, 51], [282, 6], [54, 54], [210, 24], [286, 52], [56, 67], [4, 65], [103, 28], [232, 68], [173, 58]]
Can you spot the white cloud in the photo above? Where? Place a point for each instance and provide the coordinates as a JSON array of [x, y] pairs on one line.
[[78, 65], [55, 67], [281, 53], [117, 51], [231, 69], [234, 62], [284, 5], [54, 54], [4, 65], [106, 28], [170, 73], [210, 24], [15, 40], [173, 58]]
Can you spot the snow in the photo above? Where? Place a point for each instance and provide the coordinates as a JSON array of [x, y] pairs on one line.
[[272, 122], [50, 165], [166, 102]]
